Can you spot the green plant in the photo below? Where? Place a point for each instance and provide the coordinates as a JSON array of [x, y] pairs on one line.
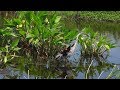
[[41, 29], [93, 43], [8, 46], [45, 32]]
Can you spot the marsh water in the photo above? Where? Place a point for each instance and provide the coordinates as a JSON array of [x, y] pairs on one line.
[[78, 65]]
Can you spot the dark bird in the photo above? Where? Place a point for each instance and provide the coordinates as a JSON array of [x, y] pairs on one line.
[[64, 52], [69, 50]]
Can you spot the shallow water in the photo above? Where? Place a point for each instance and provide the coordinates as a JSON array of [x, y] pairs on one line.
[[112, 31], [76, 66]]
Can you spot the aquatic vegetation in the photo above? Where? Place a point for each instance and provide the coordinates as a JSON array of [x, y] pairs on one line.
[[31, 40], [107, 16], [8, 45], [38, 29], [36, 33], [94, 44]]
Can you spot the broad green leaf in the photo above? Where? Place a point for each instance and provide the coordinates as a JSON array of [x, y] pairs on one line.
[[15, 43], [57, 19], [16, 22], [29, 35], [70, 35], [36, 32], [22, 32], [47, 34]]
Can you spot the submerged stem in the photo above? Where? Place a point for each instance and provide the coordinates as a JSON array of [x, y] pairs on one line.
[[111, 72], [28, 74], [88, 69], [100, 74]]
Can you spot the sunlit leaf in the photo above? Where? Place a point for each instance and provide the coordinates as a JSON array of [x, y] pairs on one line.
[[60, 38], [20, 25], [57, 19], [59, 42], [30, 40], [13, 34], [29, 35], [16, 49], [36, 41], [107, 47], [5, 59], [46, 20]]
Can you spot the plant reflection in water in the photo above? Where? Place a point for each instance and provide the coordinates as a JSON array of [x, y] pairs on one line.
[[66, 68]]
